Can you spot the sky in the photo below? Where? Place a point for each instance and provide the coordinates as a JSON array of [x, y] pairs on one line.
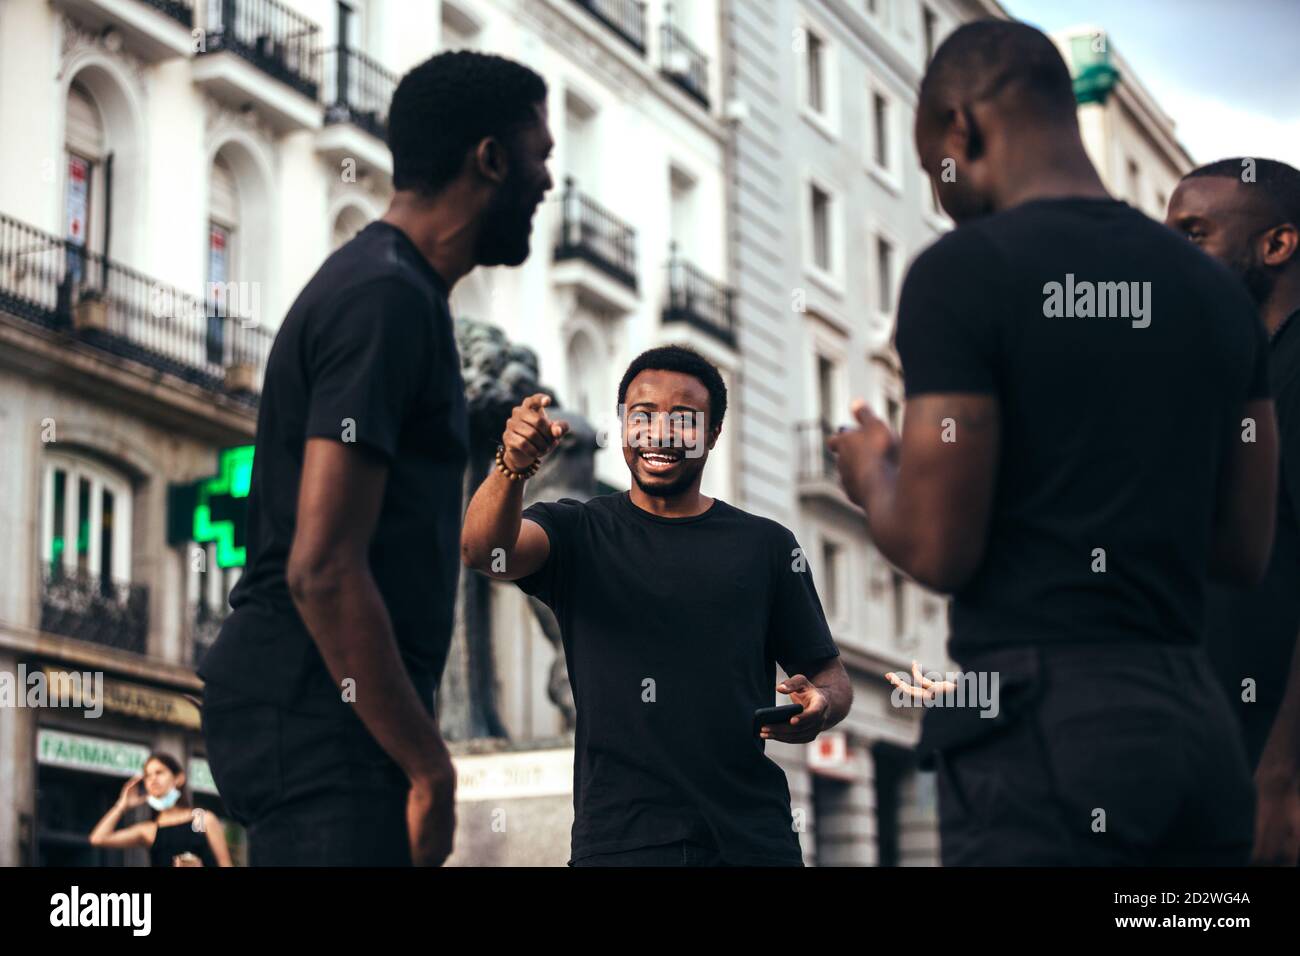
[[1226, 71]]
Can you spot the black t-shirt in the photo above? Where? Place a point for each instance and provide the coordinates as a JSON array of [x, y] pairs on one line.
[[367, 354], [1114, 429], [670, 629], [1252, 633]]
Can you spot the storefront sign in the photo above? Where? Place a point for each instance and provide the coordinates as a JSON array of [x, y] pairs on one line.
[[115, 758], [199, 777], [144, 703], [828, 756]]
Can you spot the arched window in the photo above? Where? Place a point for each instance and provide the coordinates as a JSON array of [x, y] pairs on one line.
[[586, 380], [86, 555], [223, 237], [104, 175], [86, 521], [84, 179], [223, 222]]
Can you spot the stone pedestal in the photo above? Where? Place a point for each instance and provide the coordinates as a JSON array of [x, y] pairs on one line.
[[514, 808]]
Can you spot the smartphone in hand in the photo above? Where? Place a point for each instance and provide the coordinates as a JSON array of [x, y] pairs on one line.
[[767, 716]]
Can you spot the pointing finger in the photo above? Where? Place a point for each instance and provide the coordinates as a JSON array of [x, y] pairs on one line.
[[862, 412]]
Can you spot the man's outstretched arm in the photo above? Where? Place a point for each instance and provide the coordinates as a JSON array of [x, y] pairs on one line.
[[928, 495], [495, 539], [330, 582]]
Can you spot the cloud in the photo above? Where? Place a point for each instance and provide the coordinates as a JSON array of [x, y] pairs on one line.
[[1212, 129]]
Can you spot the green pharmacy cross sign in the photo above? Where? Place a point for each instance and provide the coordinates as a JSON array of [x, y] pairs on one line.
[[1095, 76], [214, 510]]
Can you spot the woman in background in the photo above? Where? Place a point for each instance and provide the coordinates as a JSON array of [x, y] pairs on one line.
[[178, 834]]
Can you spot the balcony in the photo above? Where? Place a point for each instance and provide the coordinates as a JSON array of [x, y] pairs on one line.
[[358, 92], [596, 252], [182, 11], [55, 284], [816, 472], [699, 301], [625, 17], [249, 40], [684, 64], [81, 605], [154, 30]]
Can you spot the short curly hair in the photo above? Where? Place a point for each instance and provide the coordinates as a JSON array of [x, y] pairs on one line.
[[448, 104], [1279, 184], [678, 358]]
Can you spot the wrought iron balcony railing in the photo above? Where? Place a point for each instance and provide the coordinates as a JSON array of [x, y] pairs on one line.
[[624, 17], [699, 301], [357, 90], [277, 40], [82, 605], [182, 11], [57, 284], [593, 234], [683, 63], [816, 463]]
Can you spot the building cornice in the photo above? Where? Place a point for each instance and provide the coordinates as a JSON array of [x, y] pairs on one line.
[[120, 383], [84, 655]]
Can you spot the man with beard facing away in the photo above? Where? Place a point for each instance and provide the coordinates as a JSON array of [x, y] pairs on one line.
[[319, 700], [1072, 478], [1246, 213], [673, 608]]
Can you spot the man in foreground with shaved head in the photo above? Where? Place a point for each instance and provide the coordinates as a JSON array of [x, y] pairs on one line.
[[1087, 438]]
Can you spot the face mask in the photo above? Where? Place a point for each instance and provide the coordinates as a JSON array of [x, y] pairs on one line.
[[166, 801]]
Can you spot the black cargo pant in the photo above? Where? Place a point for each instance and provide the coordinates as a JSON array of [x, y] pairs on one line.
[[1100, 756], [312, 788]]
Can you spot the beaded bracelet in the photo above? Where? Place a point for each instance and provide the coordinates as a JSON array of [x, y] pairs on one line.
[[510, 472]]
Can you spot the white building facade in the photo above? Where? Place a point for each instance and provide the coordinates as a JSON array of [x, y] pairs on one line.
[[175, 172], [734, 175], [830, 205]]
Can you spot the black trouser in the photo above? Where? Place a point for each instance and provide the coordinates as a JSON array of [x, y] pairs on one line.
[[313, 788], [1101, 756]]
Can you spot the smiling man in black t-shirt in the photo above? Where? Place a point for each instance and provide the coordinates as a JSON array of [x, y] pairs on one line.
[[1087, 437], [318, 703], [673, 609]]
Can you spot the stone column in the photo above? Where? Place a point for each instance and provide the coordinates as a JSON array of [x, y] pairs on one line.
[[846, 814], [17, 777], [918, 820]]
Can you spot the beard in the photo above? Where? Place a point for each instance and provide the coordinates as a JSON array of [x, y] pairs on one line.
[[1256, 278], [507, 227], [963, 205], [670, 488]]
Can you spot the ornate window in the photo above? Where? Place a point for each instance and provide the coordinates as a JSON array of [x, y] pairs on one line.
[[86, 555], [84, 175]]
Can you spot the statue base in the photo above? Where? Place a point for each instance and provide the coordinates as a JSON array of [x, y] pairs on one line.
[[513, 808]]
